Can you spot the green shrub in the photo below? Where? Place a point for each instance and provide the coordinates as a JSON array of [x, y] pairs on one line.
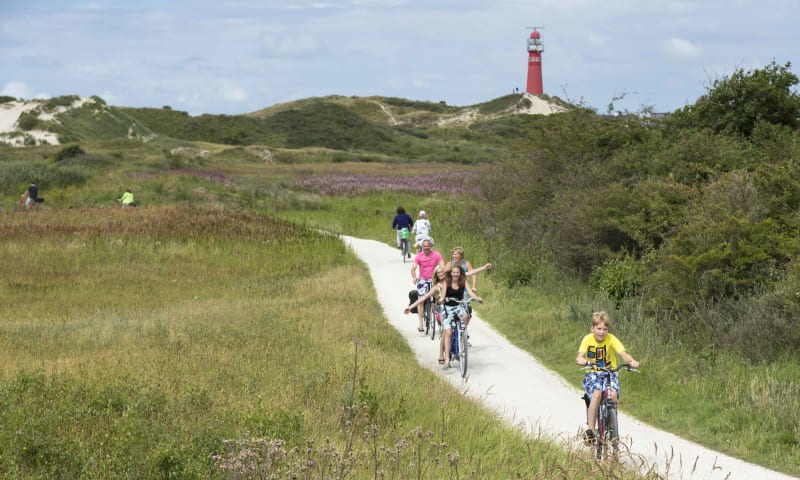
[[619, 278], [70, 151], [28, 120], [63, 101], [520, 272], [735, 104]]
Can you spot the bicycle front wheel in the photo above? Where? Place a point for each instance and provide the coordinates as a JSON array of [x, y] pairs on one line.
[[612, 431], [462, 352], [600, 441], [433, 326]]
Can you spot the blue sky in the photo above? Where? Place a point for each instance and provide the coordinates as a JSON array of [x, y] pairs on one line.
[[238, 56]]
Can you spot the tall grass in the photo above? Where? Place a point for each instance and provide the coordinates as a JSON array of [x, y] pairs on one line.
[[179, 342], [748, 410]]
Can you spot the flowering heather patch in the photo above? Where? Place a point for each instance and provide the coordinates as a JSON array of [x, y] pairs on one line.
[[209, 175], [349, 184]]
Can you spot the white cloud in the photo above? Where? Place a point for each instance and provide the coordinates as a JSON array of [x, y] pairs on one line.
[[232, 93], [299, 45], [21, 90], [379, 3], [111, 98], [190, 100], [595, 39], [681, 48]]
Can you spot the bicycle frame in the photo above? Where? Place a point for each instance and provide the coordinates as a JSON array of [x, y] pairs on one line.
[[458, 340], [405, 248], [607, 419]]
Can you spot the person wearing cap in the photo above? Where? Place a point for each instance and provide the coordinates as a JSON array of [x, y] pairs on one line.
[[421, 230]]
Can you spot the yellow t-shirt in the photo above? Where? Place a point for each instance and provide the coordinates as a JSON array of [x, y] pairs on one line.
[[601, 353]]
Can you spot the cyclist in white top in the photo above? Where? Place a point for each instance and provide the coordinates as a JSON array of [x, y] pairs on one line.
[[422, 230]]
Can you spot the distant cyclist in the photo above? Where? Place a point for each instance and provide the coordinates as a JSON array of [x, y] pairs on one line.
[[425, 262], [421, 229], [32, 195], [401, 220]]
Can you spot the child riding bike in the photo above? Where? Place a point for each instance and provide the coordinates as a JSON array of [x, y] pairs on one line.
[[600, 349]]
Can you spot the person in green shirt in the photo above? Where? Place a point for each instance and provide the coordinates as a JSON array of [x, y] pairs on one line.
[[127, 199]]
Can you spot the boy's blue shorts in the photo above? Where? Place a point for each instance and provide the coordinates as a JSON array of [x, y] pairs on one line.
[[594, 381]]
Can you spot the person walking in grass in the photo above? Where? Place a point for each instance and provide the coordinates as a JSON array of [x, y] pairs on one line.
[[422, 268], [600, 348]]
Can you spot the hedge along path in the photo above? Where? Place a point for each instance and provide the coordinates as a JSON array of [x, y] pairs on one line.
[[513, 383]]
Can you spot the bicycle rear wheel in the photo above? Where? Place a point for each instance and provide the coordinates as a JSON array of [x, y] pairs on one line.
[[462, 352], [404, 249], [428, 315]]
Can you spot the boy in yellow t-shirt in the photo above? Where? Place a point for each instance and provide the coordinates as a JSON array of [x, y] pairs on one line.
[[601, 349]]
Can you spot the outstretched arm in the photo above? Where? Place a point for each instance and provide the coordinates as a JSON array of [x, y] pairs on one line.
[[420, 300], [480, 269]]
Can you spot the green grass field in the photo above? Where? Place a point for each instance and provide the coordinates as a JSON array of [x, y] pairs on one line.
[[206, 333], [187, 342]]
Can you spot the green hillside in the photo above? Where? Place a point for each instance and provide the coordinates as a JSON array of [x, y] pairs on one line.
[[685, 228]]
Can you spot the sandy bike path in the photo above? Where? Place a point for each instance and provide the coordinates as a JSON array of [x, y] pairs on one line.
[[514, 384]]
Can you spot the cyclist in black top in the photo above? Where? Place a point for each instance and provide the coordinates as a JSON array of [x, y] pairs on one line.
[[456, 289], [401, 220]]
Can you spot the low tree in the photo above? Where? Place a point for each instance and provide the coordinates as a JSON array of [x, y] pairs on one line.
[[735, 104]]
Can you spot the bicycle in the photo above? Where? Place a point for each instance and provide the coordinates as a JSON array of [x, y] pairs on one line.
[[405, 251], [459, 340], [607, 427]]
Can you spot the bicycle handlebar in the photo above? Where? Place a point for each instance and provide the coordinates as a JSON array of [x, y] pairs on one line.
[[622, 366], [463, 302]]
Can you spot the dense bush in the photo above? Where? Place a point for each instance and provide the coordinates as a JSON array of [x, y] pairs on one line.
[[70, 151], [28, 121], [735, 104], [619, 278], [695, 215]]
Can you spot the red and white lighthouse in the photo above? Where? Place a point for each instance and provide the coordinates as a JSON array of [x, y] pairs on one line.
[[535, 49]]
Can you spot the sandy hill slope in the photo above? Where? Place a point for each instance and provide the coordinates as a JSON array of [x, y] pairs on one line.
[[10, 131]]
